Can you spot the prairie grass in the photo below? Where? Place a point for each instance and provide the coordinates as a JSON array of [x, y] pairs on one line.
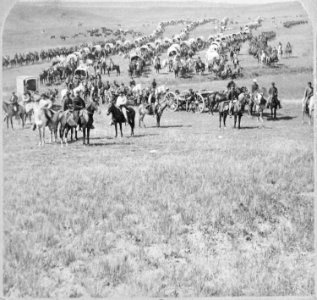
[[209, 213], [183, 210]]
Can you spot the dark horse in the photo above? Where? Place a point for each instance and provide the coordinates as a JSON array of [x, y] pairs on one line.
[[86, 119], [200, 67], [113, 67], [11, 111], [273, 105], [118, 117], [157, 66], [223, 107]]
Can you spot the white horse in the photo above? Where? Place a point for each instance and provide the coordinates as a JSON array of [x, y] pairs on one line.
[[80, 88], [43, 117], [259, 103], [308, 109]]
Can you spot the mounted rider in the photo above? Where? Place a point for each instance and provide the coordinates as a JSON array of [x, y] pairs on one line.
[[309, 92], [14, 101], [78, 105], [121, 103], [68, 102], [231, 95], [273, 93]]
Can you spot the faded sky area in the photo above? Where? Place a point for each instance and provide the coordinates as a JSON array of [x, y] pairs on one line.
[[192, 1]]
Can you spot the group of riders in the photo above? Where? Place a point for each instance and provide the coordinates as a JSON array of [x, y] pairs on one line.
[[75, 100]]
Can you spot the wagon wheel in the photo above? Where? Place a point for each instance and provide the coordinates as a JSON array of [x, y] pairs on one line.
[[200, 103], [172, 101]]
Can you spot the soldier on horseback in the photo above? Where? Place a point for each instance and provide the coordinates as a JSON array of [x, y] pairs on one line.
[[78, 105], [309, 92], [273, 92], [121, 104], [14, 101], [68, 102], [231, 95]]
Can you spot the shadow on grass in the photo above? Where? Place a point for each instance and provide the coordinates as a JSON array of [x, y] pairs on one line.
[[170, 126], [141, 135], [108, 144], [248, 127], [283, 118]]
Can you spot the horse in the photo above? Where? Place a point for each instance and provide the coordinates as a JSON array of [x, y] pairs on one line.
[[44, 116], [259, 103], [272, 104], [238, 108], [67, 123], [308, 110], [113, 67], [11, 111], [146, 109], [86, 119], [118, 117], [220, 100], [288, 50], [200, 67], [157, 65]]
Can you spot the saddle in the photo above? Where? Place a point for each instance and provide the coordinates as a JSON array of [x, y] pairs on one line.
[[149, 107]]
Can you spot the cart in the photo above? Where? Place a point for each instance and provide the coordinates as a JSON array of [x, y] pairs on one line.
[[177, 101], [30, 83]]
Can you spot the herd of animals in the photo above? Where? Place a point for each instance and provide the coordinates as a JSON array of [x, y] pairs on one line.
[[43, 111]]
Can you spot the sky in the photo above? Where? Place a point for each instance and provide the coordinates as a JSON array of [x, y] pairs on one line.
[[211, 1]]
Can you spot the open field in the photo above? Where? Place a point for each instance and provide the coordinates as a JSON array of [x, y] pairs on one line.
[[182, 210]]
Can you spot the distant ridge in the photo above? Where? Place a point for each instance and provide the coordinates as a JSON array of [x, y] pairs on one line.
[[142, 3]]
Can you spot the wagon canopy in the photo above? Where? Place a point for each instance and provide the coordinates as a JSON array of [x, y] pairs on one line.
[[109, 45], [211, 56], [96, 47], [145, 48], [32, 83], [71, 56], [173, 50], [134, 55], [168, 41]]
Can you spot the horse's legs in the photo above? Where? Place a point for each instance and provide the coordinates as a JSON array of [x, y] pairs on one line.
[[239, 120], [116, 129], [11, 121], [275, 108], [219, 119], [22, 119], [235, 120], [158, 120], [224, 119], [40, 135], [120, 124], [88, 133], [84, 135]]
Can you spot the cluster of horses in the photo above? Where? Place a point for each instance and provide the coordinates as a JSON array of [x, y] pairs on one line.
[[253, 104], [289, 24], [259, 48]]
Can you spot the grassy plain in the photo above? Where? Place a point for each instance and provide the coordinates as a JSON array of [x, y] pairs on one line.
[[183, 210]]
